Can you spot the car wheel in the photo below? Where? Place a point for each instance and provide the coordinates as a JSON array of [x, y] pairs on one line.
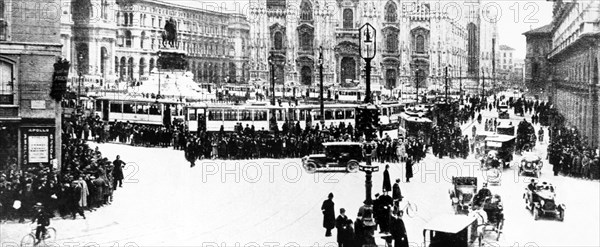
[[352, 166], [536, 213], [562, 216], [311, 168]]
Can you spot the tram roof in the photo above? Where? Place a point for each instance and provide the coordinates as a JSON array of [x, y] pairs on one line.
[[341, 143], [128, 98], [327, 106], [415, 119]]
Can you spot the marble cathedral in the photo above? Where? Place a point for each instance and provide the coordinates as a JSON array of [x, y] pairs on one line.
[[412, 35]]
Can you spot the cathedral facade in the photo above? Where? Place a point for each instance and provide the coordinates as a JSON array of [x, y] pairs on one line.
[[415, 39]]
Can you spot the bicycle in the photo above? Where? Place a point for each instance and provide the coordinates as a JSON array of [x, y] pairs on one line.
[[410, 209], [31, 240]]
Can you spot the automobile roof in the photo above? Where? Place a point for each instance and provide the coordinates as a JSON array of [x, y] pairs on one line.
[[449, 223], [531, 157], [499, 138]]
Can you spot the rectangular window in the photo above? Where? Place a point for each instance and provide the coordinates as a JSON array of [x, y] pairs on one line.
[[155, 109], [98, 105], [230, 115], [129, 108], [260, 115], [6, 83], [339, 114], [349, 114], [328, 114], [246, 115], [279, 115], [142, 108], [215, 115], [3, 20], [192, 115], [116, 107]]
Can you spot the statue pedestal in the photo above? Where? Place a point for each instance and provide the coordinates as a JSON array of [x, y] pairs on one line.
[[172, 59]]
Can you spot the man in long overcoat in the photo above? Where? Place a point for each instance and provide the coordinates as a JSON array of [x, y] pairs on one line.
[[118, 172], [328, 215], [387, 183]]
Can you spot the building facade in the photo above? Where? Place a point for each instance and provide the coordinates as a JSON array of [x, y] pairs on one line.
[[537, 67], [573, 63], [30, 123], [118, 41], [505, 62], [411, 35]]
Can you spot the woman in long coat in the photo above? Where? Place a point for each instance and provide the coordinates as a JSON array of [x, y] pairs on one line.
[[328, 215], [387, 183], [409, 171]]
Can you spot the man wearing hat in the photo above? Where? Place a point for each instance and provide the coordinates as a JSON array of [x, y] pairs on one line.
[[396, 194], [43, 220], [328, 214], [341, 225]]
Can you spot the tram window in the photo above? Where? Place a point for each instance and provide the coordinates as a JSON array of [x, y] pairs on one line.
[[215, 115], [98, 105], [174, 110], [302, 114], [192, 115], [328, 115], [384, 111], [230, 115], [116, 107], [141, 108], [349, 114], [279, 115], [128, 107], [245, 115], [155, 109], [260, 115], [339, 114], [317, 115]]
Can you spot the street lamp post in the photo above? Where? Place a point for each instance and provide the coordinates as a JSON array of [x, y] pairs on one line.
[[367, 49], [482, 83], [417, 84], [460, 83], [80, 74], [367, 52], [272, 65], [321, 85], [158, 65]]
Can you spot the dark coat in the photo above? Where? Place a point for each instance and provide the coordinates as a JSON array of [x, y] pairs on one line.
[[328, 214], [118, 170], [398, 231], [387, 184], [409, 170], [342, 229], [396, 193]]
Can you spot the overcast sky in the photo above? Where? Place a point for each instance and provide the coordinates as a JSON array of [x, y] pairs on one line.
[[516, 16]]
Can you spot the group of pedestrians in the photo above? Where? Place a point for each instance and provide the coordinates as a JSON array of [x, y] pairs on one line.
[[357, 233], [86, 181], [570, 156]]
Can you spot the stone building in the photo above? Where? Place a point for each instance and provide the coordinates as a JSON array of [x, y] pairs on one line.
[[537, 68], [30, 123], [571, 71], [411, 35], [119, 40]]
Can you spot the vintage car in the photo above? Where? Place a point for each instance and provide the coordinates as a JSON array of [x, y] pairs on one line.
[[462, 194], [338, 155], [494, 210], [449, 231], [542, 201], [531, 164], [503, 111], [491, 165], [504, 147]]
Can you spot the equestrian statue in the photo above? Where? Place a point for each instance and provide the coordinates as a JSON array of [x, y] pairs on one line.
[[170, 33]]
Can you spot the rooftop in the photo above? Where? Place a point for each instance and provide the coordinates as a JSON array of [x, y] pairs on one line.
[[547, 29], [506, 48]]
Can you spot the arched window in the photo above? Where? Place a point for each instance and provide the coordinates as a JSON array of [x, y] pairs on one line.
[[130, 19], [306, 11], [348, 17], [127, 38], [306, 37], [151, 65], [306, 74], [278, 40], [130, 69], [118, 18], [390, 76], [126, 19], [103, 60], [142, 66], [420, 44], [123, 69], [142, 39], [392, 42], [390, 12], [348, 69]]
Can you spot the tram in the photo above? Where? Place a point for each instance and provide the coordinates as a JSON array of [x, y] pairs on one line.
[[145, 111], [390, 112], [215, 116], [415, 125]]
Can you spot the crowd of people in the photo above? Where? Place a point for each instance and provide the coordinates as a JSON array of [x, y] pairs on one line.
[[84, 181], [571, 156]]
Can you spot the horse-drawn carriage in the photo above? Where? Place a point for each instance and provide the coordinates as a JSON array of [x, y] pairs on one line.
[[531, 164], [542, 201], [462, 195]]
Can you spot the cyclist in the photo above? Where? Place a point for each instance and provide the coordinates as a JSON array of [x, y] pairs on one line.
[[43, 220]]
